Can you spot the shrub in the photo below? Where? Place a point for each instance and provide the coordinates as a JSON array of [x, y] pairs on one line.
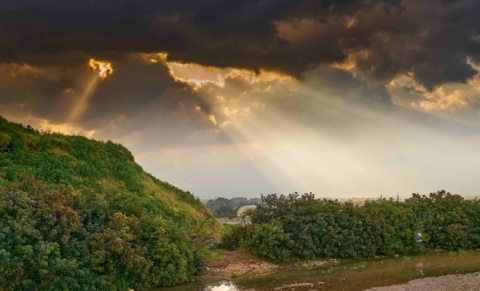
[[54, 240], [268, 240], [327, 228], [233, 237]]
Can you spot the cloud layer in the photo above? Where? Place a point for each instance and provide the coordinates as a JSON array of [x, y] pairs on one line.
[[384, 38]]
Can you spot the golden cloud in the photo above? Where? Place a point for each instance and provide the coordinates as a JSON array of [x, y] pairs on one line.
[[47, 125], [451, 97], [441, 100], [197, 76], [104, 68], [231, 94]]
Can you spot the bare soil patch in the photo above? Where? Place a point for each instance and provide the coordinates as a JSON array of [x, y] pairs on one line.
[[236, 263], [232, 264]]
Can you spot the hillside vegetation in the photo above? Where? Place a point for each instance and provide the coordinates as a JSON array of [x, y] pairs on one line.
[[80, 214]]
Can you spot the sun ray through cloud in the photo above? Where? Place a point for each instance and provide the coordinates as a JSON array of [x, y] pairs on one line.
[[102, 69]]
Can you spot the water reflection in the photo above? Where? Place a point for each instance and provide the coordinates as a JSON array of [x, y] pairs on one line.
[[420, 268], [224, 286]]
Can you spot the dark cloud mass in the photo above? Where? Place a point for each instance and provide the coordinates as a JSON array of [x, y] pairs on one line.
[[138, 97], [431, 39]]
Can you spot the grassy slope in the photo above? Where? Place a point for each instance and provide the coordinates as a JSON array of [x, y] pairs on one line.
[[104, 167]]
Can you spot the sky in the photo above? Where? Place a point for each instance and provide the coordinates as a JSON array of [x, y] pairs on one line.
[[241, 98]]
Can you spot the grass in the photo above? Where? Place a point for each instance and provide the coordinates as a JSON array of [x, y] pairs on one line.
[[217, 255], [107, 168]]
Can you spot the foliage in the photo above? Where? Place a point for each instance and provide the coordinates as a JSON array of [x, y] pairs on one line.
[[52, 240], [83, 163], [268, 240], [325, 228], [232, 237], [5, 140], [113, 227]]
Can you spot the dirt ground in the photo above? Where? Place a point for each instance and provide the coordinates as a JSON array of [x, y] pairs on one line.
[[239, 263], [236, 263]]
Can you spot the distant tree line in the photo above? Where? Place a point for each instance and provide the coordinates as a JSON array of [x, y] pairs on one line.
[[302, 227], [224, 207]]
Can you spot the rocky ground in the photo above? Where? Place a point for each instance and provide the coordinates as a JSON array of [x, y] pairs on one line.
[[467, 282]]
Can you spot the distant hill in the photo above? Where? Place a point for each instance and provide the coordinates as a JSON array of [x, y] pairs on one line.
[[106, 172]]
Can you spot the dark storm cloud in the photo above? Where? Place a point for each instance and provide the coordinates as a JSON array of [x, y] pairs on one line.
[[429, 39], [413, 89], [432, 39], [346, 85], [143, 97], [138, 97]]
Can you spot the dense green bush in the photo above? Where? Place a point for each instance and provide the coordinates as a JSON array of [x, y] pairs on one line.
[[325, 228], [232, 237], [268, 240], [59, 240]]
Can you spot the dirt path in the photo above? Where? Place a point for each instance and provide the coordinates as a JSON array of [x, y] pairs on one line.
[[467, 282]]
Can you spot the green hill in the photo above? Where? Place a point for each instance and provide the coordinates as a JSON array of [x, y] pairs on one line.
[[163, 225]]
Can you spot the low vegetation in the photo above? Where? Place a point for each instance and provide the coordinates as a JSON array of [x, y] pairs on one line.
[[300, 227], [79, 214]]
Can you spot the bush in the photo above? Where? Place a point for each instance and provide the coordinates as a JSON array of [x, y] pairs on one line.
[[54, 240], [268, 240], [326, 228], [233, 237], [42, 240]]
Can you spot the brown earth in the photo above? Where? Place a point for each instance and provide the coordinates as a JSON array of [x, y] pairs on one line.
[[236, 263], [240, 263]]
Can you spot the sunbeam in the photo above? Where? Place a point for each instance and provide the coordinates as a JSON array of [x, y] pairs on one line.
[[103, 69]]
